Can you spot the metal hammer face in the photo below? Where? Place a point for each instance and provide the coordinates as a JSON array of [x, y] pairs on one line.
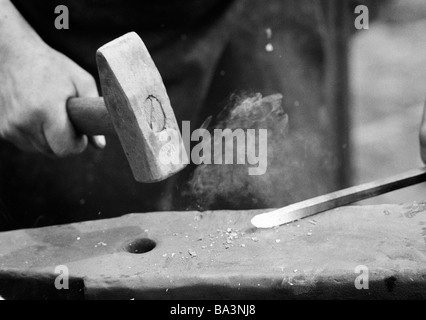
[[139, 109]]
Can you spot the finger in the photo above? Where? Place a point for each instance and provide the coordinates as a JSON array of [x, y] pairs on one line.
[[28, 135], [98, 142], [61, 136], [36, 141], [23, 144], [21, 141]]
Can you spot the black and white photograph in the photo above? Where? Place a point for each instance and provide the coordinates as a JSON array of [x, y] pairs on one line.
[[212, 153]]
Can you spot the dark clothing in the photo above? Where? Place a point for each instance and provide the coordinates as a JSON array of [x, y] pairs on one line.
[[205, 50]]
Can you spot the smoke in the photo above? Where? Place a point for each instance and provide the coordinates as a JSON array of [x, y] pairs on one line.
[[290, 159]]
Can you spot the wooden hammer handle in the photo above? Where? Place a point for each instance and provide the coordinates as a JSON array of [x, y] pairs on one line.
[[90, 116]]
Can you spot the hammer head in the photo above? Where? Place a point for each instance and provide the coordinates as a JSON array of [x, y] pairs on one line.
[[140, 109]]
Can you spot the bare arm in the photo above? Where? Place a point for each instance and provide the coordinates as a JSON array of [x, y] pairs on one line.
[[35, 83]]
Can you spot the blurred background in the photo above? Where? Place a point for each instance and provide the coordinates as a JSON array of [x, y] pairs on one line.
[[387, 70]]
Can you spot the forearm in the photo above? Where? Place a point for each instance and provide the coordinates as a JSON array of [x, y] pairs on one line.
[[15, 31]]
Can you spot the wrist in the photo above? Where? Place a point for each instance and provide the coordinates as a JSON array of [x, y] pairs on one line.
[[15, 31]]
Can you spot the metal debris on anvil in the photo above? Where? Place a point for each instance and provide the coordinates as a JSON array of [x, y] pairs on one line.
[[101, 243], [229, 236]]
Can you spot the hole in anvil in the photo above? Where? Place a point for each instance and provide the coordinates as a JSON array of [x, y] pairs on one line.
[[141, 245]]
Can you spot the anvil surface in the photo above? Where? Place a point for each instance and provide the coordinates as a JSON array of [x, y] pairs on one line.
[[219, 255]]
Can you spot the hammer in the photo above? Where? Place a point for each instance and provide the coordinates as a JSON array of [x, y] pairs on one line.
[[135, 106]]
